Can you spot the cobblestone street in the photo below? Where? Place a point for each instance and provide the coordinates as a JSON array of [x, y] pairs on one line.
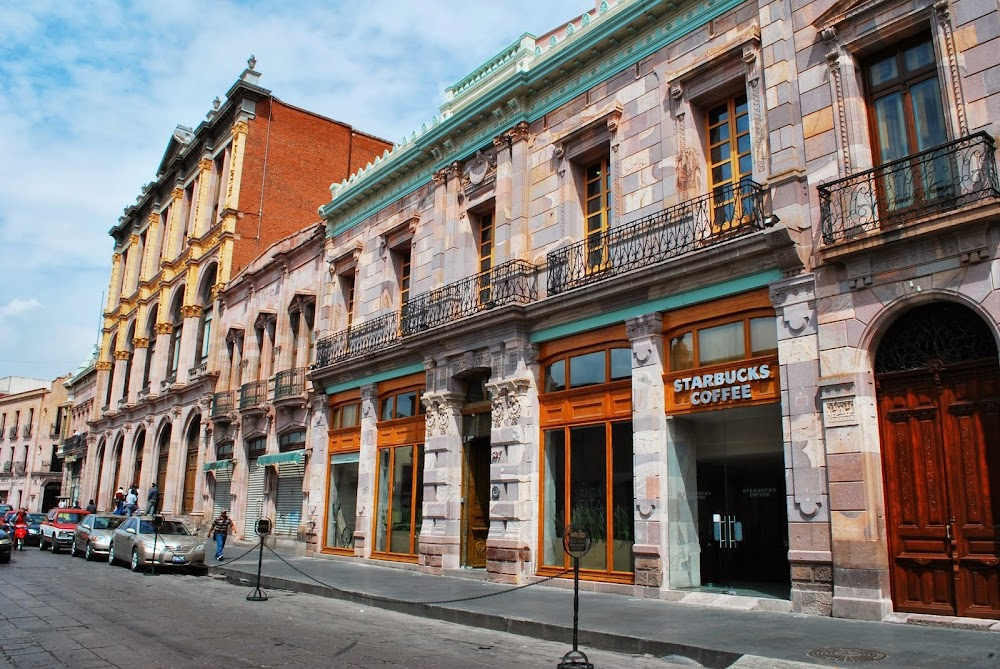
[[58, 611]]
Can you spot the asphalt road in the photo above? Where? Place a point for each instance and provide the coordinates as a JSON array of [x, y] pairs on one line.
[[58, 611]]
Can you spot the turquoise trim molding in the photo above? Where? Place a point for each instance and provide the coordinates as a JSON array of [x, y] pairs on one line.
[[704, 294], [374, 378], [684, 21]]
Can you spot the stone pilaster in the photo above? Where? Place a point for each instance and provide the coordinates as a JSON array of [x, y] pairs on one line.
[[651, 512], [189, 340], [440, 534], [808, 503], [363, 539], [519, 244], [514, 463]]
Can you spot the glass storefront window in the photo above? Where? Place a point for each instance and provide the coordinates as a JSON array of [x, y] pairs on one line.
[[722, 343], [406, 405], [399, 499], [599, 458], [621, 363], [345, 415], [682, 352], [586, 369], [763, 337], [555, 376], [343, 500], [387, 408]]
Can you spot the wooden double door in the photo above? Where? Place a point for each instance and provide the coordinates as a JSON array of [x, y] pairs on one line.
[[941, 458]]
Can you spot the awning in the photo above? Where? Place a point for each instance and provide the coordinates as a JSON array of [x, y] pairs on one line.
[[286, 458], [218, 464]]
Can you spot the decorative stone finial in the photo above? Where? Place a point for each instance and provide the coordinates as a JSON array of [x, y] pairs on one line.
[[251, 62], [216, 103]]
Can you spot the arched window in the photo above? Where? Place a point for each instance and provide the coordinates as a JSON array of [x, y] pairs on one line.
[[112, 349], [205, 326], [177, 321], [130, 347], [151, 348]]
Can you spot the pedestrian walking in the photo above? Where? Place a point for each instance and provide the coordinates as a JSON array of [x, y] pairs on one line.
[[220, 528], [152, 499]]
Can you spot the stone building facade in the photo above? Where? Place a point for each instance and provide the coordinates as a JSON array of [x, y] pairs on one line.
[[265, 418], [81, 388], [223, 192], [715, 282], [30, 466]]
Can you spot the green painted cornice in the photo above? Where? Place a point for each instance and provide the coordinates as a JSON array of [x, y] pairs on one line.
[[609, 45]]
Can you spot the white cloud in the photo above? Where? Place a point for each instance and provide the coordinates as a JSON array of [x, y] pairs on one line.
[[92, 92]]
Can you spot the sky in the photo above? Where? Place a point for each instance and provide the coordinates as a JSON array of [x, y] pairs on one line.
[[90, 93]]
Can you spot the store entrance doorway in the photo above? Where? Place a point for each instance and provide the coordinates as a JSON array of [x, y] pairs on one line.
[[742, 520]]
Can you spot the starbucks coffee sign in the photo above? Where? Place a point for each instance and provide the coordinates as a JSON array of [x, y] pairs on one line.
[[721, 387]]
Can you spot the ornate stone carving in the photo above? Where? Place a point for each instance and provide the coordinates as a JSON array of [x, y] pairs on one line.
[[942, 14], [519, 132], [191, 311], [140, 342], [644, 326], [240, 128], [123, 355], [103, 366], [479, 173]]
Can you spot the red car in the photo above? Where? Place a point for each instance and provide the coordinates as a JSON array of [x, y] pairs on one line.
[[58, 528]]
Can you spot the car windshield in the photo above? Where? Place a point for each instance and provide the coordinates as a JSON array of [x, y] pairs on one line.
[[69, 517], [168, 527], [35, 517], [108, 522]]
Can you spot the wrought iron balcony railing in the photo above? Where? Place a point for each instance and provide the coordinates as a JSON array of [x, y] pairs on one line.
[[945, 177], [12, 433], [372, 335], [27, 431], [253, 394], [512, 282], [222, 403], [727, 212], [289, 383], [167, 382]]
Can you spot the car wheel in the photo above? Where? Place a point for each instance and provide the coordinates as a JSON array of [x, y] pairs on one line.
[[5, 559], [111, 554], [55, 546], [41, 543], [72, 549], [135, 560], [88, 554]]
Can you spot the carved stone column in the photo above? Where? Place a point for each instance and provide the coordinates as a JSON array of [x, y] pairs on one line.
[[363, 540], [519, 242], [513, 462], [440, 534], [653, 510], [158, 367], [189, 343]]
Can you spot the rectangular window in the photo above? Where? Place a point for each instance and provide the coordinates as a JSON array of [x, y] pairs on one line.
[[722, 343], [587, 369], [730, 161], [293, 441], [345, 415], [347, 295], [763, 337], [598, 203], [485, 243], [907, 117], [403, 274]]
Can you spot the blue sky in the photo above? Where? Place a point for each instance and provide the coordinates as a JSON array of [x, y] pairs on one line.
[[91, 92]]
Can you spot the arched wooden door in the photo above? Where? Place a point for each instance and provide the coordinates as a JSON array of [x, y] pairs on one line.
[[190, 467], [939, 404], [162, 461]]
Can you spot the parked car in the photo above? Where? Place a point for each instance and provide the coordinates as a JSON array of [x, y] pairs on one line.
[[58, 527], [175, 544], [92, 536], [6, 546]]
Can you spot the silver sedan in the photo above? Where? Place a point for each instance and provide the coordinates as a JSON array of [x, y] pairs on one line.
[[93, 534], [170, 545]]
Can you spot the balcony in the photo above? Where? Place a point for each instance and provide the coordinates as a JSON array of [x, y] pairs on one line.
[[198, 371], [143, 394], [18, 469], [512, 282], [373, 335], [222, 404], [123, 404], [897, 195], [290, 383], [167, 382], [695, 224], [7, 465], [53, 431], [253, 396], [27, 431]]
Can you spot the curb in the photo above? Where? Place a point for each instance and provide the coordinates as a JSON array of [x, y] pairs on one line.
[[707, 657]]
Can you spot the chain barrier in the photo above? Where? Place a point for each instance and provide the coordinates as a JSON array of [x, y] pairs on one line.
[[225, 562], [393, 600]]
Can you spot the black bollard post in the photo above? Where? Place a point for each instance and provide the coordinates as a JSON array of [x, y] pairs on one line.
[[263, 529], [576, 543], [157, 523]]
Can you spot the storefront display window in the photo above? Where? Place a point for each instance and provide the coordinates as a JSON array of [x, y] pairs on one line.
[[400, 496], [343, 500], [587, 454]]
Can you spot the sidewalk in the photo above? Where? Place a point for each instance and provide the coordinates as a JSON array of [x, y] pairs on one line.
[[715, 637]]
